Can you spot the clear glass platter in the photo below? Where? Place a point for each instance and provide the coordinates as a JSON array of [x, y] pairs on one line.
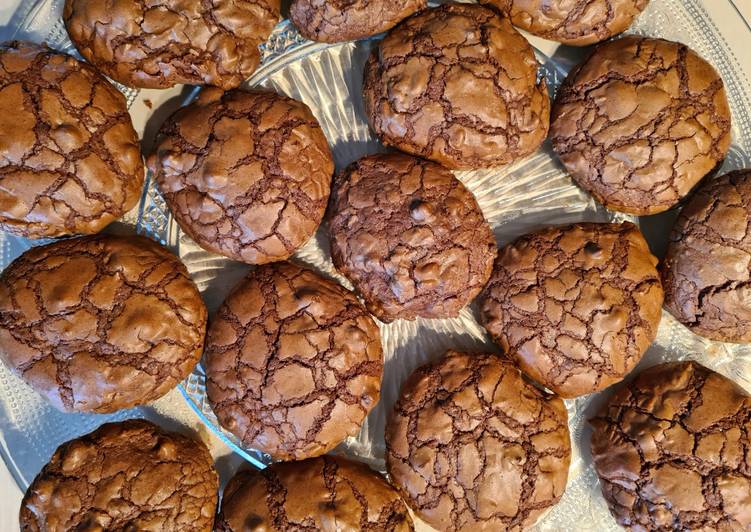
[[516, 199]]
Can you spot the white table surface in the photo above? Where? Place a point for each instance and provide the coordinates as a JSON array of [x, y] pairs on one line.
[[733, 28]]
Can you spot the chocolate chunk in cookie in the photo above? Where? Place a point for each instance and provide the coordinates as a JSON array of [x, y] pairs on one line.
[[124, 476], [410, 237], [156, 44], [473, 446], [457, 84], [70, 160], [640, 122], [100, 323], [349, 20], [672, 451], [293, 362], [328, 494], [245, 174], [573, 22], [575, 306], [707, 270]]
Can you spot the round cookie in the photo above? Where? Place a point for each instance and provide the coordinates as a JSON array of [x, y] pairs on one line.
[[457, 84], [575, 306], [157, 44], [329, 493], [712, 297], [247, 174], [572, 22], [410, 237], [672, 451], [130, 475], [473, 446], [293, 362], [70, 160], [100, 323], [349, 20], [640, 122]]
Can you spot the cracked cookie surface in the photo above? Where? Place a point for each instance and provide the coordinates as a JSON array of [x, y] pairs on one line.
[[457, 84], [70, 160], [293, 362], [673, 451], [100, 323], [328, 494], [410, 237], [707, 269], [130, 475], [575, 306], [247, 174], [640, 123], [473, 446], [157, 44], [348, 20], [572, 22]]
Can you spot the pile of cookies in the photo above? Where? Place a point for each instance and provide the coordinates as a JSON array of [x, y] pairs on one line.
[[293, 360]]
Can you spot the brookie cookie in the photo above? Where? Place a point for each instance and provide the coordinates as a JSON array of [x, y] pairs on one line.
[[247, 174], [130, 475], [575, 306], [70, 160], [473, 446], [640, 123], [457, 84], [707, 269], [672, 451], [293, 362], [96, 324], [410, 237], [328, 494], [348, 20], [156, 44], [573, 22]]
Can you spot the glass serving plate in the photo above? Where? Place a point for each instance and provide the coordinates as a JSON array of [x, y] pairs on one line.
[[515, 199]]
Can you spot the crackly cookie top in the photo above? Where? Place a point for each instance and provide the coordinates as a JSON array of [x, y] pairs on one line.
[[293, 362], [573, 22], [707, 269], [457, 84], [347, 20], [247, 174], [576, 306], [640, 122], [100, 323], [160, 43], [70, 160], [130, 475], [673, 451], [410, 237], [473, 446], [328, 494]]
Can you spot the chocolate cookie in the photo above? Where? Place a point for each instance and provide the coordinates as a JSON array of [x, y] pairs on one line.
[[70, 160], [246, 174], [707, 270], [96, 324], [157, 44], [349, 20], [672, 451], [293, 362], [457, 84], [573, 22], [328, 494], [640, 122], [410, 237], [575, 306], [472, 446], [124, 476]]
